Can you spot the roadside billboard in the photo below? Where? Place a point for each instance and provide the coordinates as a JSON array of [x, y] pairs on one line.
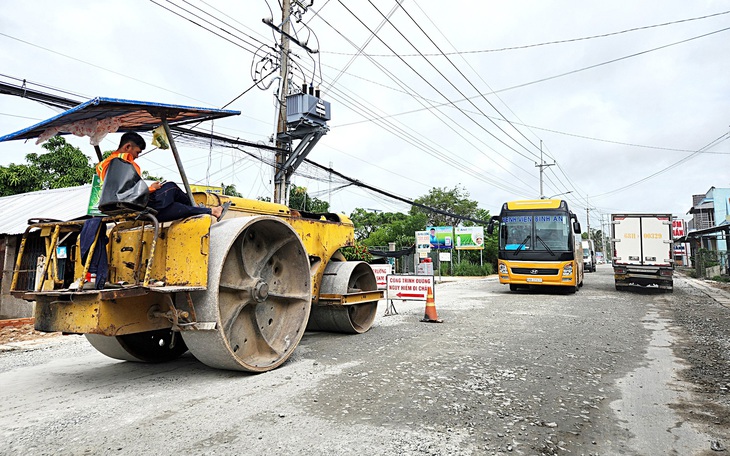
[[423, 247], [469, 237], [440, 237]]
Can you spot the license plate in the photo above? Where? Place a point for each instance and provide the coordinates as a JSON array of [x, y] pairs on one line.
[[534, 279]]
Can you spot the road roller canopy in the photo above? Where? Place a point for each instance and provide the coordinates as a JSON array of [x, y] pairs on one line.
[[100, 116]]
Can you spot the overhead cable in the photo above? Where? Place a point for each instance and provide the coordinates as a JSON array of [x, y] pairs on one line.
[[548, 43]]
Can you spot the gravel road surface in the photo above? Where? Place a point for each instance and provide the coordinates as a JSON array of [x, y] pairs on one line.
[[599, 372]]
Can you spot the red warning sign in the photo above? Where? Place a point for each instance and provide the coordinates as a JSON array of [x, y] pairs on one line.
[[381, 271]]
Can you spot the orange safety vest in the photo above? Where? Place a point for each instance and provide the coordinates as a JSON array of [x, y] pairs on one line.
[[101, 168]]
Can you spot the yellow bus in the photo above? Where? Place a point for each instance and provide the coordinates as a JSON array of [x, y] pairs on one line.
[[539, 245]]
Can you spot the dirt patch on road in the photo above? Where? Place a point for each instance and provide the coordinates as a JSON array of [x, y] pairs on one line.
[[9, 334], [705, 346]]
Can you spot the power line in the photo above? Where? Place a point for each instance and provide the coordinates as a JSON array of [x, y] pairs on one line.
[[620, 143], [445, 97], [556, 76], [433, 86], [377, 119], [223, 22], [102, 68], [396, 197], [548, 43], [419, 143], [470, 83], [719, 139], [206, 28]]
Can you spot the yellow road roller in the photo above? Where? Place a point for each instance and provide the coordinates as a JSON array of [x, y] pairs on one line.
[[239, 293]]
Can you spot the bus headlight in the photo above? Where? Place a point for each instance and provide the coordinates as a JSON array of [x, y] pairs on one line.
[[568, 269], [502, 268]]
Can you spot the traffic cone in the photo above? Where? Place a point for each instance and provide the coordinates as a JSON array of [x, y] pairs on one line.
[[431, 316]]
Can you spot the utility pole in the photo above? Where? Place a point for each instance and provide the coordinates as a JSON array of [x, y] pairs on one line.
[[329, 198], [603, 234], [541, 166], [280, 190], [588, 218]]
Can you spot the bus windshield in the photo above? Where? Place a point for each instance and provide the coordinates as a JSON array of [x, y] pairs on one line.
[[536, 230]]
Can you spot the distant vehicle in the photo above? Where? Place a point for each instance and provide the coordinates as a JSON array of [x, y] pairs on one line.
[[642, 246], [589, 255], [539, 244], [599, 258]]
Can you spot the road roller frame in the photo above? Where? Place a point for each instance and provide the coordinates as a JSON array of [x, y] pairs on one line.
[[238, 293]]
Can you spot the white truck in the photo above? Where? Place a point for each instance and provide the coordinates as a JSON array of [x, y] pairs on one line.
[[589, 255], [642, 250]]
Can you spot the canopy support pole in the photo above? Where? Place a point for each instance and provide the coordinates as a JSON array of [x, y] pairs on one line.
[[178, 161], [98, 152]]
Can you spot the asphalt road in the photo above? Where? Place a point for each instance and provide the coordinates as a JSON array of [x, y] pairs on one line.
[[597, 372]]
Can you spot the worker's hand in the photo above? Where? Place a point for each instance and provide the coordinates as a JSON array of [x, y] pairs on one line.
[[155, 186]]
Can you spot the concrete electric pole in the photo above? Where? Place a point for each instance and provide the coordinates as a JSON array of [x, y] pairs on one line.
[[541, 166], [280, 195]]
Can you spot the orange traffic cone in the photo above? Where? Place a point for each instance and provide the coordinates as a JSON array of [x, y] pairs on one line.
[[431, 316]]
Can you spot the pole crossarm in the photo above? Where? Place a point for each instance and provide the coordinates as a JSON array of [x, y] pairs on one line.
[[271, 24]]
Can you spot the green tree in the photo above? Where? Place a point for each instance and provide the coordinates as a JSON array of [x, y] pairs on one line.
[[16, 179], [62, 166], [455, 201], [368, 221], [365, 222], [300, 200], [597, 236], [230, 190]]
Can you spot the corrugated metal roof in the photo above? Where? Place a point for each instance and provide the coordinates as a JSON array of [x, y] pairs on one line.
[[133, 116], [60, 204]]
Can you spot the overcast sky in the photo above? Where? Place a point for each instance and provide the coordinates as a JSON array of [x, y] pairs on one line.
[[621, 96]]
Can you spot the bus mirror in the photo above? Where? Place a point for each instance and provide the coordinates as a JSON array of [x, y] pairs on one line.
[[576, 227], [490, 225]]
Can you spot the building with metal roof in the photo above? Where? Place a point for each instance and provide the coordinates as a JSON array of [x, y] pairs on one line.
[[59, 204]]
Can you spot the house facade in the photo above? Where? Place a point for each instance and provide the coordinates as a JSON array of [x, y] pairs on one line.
[[709, 229], [711, 210]]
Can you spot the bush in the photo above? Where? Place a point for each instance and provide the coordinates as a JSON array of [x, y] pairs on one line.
[[721, 279], [471, 269], [358, 252], [708, 258]]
